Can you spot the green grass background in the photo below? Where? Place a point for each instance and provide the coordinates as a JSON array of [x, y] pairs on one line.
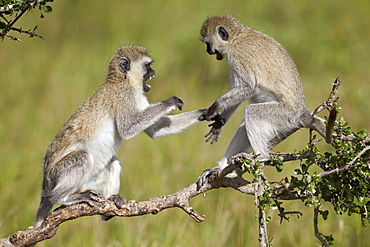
[[43, 81]]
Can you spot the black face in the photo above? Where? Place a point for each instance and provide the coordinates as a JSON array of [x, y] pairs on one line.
[[209, 50], [148, 75]]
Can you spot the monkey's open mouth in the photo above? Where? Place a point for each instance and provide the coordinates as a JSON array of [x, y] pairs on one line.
[[219, 56], [148, 76]]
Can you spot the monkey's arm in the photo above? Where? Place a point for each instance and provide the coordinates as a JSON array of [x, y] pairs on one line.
[[227, 103], [227, 112], [130, 126], [168, 125]]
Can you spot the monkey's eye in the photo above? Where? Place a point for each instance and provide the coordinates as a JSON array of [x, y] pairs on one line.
[[223, 33], [124, 65]]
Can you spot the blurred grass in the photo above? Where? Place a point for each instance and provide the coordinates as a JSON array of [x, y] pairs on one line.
[[43, 81]]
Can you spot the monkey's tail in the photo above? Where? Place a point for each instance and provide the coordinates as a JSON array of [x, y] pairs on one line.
[[43, 211], [313, 122]]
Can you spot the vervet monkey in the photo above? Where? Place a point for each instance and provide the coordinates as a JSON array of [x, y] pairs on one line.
[[80, 162], [263, 73]]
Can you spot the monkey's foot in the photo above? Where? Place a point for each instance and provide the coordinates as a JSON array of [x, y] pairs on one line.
[[206, 173], [118, 200], [88, 197]]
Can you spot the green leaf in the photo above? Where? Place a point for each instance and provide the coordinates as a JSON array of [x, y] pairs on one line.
[[47, 9], [324, 214]]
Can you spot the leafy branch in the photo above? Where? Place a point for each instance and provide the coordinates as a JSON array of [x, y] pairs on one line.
[[12, 10]]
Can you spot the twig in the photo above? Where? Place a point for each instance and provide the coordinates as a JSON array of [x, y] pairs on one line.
[[262, 221], [282, 214], [10, 36], [263, 238], [351, 138], [32, 34], [318, 234], [331, 99]]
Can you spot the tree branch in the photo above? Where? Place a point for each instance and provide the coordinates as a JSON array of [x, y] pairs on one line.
[[178, 199], [331, 99], [318, 234]]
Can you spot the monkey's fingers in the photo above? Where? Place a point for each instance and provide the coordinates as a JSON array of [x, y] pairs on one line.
[[210, 136], [215, 138]]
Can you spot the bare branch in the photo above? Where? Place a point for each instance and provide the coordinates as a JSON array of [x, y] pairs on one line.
[[9, 36], [331, 99], [31, 34]]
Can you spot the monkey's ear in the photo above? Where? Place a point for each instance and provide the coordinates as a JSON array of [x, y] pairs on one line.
[[223, 33], [124, 65]]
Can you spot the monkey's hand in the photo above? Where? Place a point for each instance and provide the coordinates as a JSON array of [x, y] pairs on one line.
[[211, 113], [174, 101], [214, 134]]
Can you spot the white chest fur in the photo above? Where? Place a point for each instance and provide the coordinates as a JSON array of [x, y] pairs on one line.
[[103, 146], [141, 102]]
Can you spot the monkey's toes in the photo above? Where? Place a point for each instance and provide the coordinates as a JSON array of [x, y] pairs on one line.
[[206, 174], [118, 200], [87, 196]]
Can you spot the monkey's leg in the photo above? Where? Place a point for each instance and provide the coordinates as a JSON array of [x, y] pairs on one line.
[[239, 143], [268, 124], [69, 176], [107, 184]]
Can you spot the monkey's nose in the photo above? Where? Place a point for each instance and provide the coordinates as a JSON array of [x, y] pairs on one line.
[[209, 49]]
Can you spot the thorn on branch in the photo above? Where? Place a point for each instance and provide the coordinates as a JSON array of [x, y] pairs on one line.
[[30, 33]]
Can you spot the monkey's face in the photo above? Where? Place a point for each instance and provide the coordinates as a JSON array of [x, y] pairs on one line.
[[138, 72], [217, 42], [131, 65]]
